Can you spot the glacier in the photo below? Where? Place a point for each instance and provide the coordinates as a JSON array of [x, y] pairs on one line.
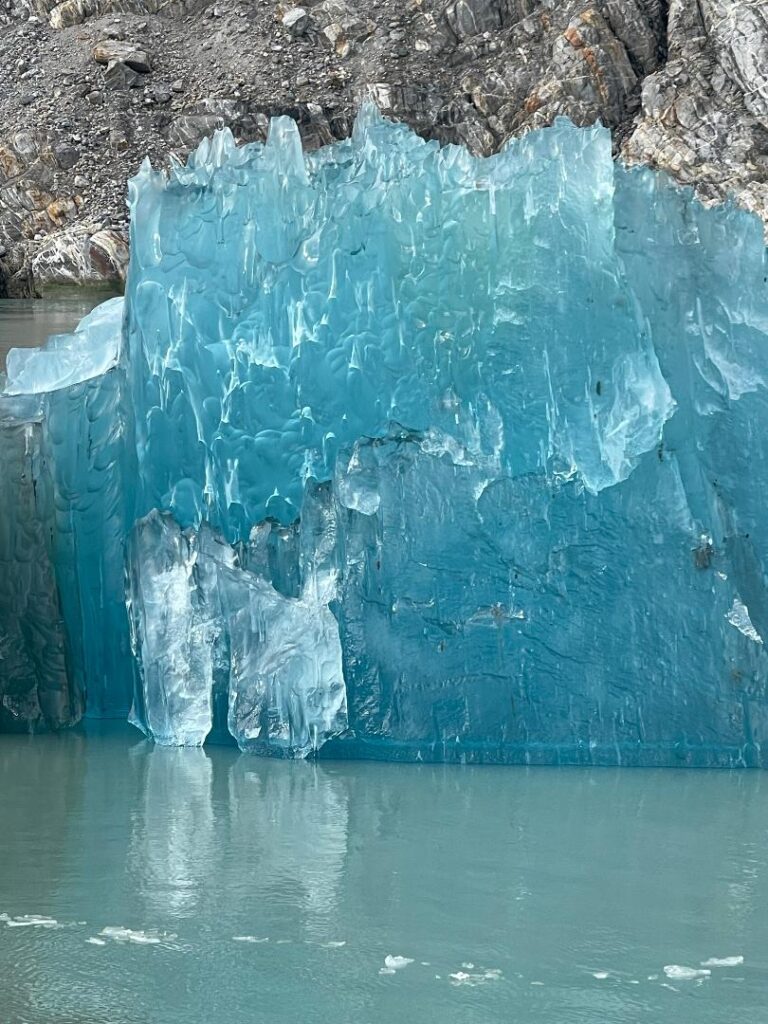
[[395, 452]]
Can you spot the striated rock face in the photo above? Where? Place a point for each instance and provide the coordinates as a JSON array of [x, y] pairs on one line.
[[100, 83]]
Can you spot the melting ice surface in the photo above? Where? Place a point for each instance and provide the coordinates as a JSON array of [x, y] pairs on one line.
[[408, 455]]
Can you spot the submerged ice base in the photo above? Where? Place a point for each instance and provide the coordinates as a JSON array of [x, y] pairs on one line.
[[405, 454]]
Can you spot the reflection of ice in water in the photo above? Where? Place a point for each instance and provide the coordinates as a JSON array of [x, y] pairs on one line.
[[173, 829], [288, 820], [306, 806]]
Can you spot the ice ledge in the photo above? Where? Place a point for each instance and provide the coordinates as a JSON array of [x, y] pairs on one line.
[[68, 359]]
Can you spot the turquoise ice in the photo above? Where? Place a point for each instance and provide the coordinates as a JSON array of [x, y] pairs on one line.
[[402, 453]]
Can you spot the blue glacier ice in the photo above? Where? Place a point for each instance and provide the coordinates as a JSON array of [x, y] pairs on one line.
[[67, 508], [395, 452]]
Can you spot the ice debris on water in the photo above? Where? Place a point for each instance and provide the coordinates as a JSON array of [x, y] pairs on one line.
[[139, 937], [392, 964], [723, 961], [404, 454], [30, 921], [677, 972], [479, 977]]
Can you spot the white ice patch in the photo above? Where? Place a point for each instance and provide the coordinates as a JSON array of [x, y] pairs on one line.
[[481, 977], [94, 941], [333, 944], [600, 975], [248, 938], [138, 937], [678, 973], [738, 616], [723, 961], [394, 963], [30, 921]]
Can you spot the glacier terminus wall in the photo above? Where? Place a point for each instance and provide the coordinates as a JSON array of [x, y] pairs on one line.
[[395, 452]]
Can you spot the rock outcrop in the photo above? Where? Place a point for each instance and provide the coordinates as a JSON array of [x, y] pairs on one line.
[[98, 84]]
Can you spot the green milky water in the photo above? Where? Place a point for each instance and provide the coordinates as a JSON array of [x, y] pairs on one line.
[[567, 891]]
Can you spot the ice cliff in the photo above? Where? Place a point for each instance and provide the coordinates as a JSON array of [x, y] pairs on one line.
[[401, 453]]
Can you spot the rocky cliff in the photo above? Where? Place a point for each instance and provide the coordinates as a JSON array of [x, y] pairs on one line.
[[92, 86]]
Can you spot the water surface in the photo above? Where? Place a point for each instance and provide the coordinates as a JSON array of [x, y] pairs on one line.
[[192, 886]]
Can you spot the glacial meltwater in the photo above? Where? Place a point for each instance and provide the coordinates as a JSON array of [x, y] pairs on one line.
[[148, 885]]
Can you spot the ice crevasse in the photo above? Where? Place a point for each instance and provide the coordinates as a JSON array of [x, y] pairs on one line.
[[395, 452]]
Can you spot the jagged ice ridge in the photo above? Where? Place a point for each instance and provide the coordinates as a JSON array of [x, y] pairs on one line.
[[400, 453]]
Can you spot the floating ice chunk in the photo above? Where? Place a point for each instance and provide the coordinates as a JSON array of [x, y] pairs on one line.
[[723, 961], [676, 972], [248, 938], [394, 963], [32, 921], [600, 975], [738, 616], [96, 941], [137, 936], [473, 978]]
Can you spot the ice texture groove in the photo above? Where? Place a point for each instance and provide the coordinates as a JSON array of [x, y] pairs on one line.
[[406, 454], [34, 684], [80, 431]]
